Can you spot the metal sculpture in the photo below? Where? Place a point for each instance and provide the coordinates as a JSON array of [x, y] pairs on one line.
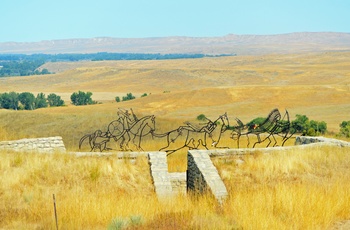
[[129, 129], [192, 136], [273, 125]]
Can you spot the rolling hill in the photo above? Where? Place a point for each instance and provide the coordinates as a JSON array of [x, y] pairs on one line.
[[229, 44], [317, 85]]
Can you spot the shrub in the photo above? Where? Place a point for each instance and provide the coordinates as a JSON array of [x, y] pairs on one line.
[[128, 97], [54, 100], [344, 129], [201, 117], [82, 98]]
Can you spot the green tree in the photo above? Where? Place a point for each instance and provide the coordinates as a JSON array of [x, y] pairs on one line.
[[320, 127], [27, 100], [82, 98], [117, 99], [54, 100], [301, 124], [9, 100], [40, 101], [128, 97], [345, 129], [144, 95], [45, 71], [201, 117]]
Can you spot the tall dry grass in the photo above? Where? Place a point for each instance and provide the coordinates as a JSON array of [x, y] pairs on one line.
[[294, 189], [291, 189]]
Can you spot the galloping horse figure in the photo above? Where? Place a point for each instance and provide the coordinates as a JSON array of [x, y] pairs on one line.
[[193, 137], [273, 125], [125, 129]]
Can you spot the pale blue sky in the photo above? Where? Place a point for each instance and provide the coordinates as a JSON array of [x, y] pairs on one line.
[[36, 20]]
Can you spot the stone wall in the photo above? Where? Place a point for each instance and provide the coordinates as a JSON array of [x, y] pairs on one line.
[[305, 140], [178, 182], [159, 172], [41, 145], [203, 176]]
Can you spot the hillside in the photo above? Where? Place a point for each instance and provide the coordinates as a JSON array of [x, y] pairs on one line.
[[229, 44], [317, 85]]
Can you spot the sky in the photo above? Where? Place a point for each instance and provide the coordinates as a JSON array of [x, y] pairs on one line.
[[37, 20]]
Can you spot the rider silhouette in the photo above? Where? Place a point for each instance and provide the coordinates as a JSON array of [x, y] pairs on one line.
[[127, 120]]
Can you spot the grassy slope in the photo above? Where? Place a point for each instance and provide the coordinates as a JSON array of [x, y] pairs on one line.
[[316, 85]]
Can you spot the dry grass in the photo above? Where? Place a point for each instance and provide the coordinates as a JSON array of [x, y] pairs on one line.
[[296, 189], [317, 85], [285, 190], [289, 190]]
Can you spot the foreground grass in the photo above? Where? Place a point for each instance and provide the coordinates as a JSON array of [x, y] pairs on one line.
[[287, 190], [297, 189]]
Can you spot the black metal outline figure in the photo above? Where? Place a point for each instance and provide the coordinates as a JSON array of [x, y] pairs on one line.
[[272, 125], [125, 129], [128, 128], [191, 142]]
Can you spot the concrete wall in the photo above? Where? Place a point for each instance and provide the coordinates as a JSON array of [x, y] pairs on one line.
[[42, 145]]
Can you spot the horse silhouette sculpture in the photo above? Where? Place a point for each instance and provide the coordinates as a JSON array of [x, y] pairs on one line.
[[129, 132], [273, 125], [192, 136], [127, 128]]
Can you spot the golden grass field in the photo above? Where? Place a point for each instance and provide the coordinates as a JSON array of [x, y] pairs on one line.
[[282, 190], [288, 190]]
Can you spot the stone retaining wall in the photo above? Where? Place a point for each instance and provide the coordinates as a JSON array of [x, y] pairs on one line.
[[41, 145], [159, 172], [304, 140], [203, 176], [178, 182]]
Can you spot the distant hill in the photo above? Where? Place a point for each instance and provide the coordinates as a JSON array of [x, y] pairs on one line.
[[229, 44]]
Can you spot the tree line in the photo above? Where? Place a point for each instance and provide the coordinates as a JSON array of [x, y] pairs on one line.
[[27, 101], [24, 65]]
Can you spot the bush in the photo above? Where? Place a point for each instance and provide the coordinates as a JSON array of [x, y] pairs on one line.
[[54, 100], [128, 97], [201, 117], [82, 98], [344, 129], [303, 125]]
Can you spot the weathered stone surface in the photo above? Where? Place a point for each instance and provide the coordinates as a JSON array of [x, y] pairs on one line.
[[41, 145], [202, 175], [304, 140], [159, 172]]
